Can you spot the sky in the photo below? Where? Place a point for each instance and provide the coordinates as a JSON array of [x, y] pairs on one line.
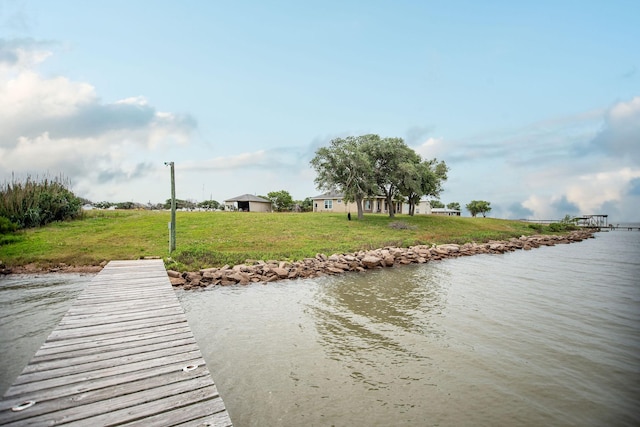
[[534, 106]]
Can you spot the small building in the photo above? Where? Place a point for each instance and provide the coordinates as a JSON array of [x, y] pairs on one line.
[[445, 212], [248, 203], [423, 207]]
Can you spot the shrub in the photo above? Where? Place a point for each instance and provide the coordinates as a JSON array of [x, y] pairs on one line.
[[34, 203], [6, 226], [537, 227], [562, 226]]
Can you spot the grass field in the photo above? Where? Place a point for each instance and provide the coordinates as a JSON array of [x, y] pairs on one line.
[[212, 239]]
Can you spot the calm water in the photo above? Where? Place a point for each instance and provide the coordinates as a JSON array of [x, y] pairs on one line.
[[544, 337], [30, 307]]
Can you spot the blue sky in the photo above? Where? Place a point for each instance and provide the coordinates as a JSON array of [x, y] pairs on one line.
[[535, 106]]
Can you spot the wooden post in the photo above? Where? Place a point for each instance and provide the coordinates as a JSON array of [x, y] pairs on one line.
[[172, 232]]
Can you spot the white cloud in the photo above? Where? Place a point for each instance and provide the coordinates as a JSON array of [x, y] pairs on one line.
[[432, 147], [590, 192], [243, 160], [585, 194], [620, 136], [625, 110], [541, 206], [578, 164], [22, 54], [29, 98], [73, 156], [59, 126], [137, 100]]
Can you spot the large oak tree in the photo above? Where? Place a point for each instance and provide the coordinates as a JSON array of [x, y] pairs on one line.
[[344, 166], [425, 180], [393, 162], [367, 165]]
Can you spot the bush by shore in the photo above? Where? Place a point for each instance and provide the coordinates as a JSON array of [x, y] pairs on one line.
[[36, 202]]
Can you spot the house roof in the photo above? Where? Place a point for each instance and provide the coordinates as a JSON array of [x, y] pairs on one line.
[[337, 195], [248, 198], [435, 210], [329, 195]]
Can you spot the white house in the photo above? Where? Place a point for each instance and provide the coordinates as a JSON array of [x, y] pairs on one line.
[[333, 201], [445, 212]]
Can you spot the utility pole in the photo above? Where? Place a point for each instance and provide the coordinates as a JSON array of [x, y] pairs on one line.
[[172, 224]]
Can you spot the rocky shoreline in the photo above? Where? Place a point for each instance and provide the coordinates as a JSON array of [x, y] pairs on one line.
[[323, 265]]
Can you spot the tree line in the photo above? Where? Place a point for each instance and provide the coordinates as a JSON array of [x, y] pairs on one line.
[[474, 207], [366, 166], [282, 201], [439, 204]]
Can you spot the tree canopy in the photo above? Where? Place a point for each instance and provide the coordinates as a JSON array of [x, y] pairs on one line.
[[344, 166], [281, 200], [305, 205], [181, 204], [476, 207], [395, 168], [210, 204], [368, 165]]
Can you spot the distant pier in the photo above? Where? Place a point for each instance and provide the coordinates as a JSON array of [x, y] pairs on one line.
[[592, 221], [599, 222], [622, 227]]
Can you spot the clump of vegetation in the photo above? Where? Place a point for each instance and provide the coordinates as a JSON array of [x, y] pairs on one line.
[[565, 224], [37, 202], [401, 225], [6, 231], [537, 227], [562, 226], [6, 226]]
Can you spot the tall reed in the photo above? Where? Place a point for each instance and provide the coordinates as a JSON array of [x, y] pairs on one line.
[[34, 202]]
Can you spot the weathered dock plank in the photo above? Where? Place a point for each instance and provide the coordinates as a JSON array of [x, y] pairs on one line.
[[122, 355]]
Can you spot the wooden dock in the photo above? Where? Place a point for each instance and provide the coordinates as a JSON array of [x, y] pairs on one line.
[[122, 355]]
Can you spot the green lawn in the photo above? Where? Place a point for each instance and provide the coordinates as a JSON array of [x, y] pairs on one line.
[[210, 239]]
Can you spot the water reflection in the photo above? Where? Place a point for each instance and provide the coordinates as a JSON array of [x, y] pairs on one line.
[[360, 316], [546, 337]]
